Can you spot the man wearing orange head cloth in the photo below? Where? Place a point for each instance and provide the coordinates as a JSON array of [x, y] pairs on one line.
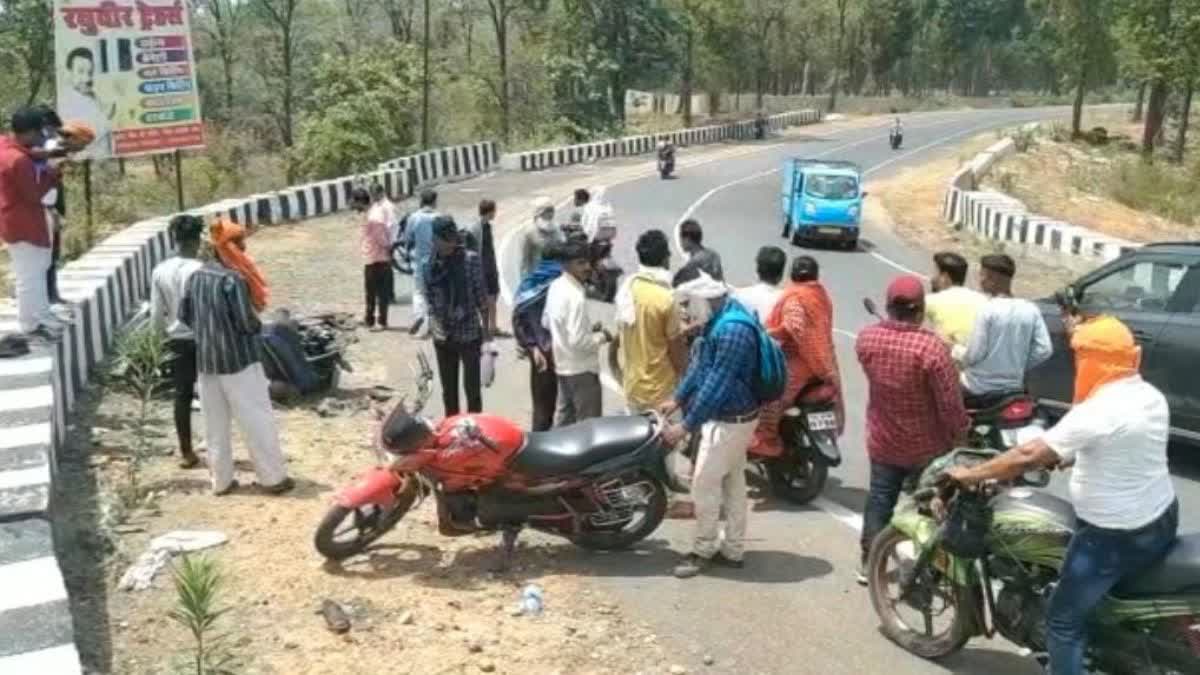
[[220, 305], [1116, 437]]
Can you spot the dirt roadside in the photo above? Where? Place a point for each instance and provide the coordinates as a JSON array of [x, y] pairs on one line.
[[910, 204], [418, 602]]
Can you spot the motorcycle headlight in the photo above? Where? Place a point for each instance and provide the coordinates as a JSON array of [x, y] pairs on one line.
[[810, 209]]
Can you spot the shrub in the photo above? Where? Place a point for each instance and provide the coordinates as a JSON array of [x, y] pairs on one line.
[[198, 583]]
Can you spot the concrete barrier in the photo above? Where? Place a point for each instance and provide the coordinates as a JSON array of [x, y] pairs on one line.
[[547, 158], [996, 216]]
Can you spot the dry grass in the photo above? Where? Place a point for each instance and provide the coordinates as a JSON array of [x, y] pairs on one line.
[[911, 203], [1086, 185]]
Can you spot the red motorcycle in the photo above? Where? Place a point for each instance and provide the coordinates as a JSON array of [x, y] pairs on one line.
[[599, 484]]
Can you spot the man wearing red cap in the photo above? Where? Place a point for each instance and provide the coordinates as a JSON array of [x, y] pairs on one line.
[[914, 409]]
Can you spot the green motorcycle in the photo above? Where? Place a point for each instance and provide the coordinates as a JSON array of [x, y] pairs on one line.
[[955, 564]]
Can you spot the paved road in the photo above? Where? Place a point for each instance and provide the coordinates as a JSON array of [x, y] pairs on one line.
[[796, 609]]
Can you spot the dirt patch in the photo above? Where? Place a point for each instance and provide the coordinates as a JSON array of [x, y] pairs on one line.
[[418, 602], [1076, 182], [910, 203]]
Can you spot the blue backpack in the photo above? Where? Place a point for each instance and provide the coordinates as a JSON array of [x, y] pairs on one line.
[[771, 379]]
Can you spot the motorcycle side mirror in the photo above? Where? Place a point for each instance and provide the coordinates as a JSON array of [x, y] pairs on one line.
[[869, 305], [1037, 479]]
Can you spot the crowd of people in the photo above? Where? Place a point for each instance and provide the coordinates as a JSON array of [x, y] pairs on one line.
[[685, 344]]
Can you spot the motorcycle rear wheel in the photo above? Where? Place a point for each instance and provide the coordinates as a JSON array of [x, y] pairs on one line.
[[798, 476], [368, 525], [926, 645], [653, 513]]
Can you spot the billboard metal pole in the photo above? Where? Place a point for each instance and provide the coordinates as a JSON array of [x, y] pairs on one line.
[[87, 203], [179, 179]]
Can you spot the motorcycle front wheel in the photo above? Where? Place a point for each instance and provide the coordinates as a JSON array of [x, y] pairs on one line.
[[346, 531], [644, 519], [934, 599]]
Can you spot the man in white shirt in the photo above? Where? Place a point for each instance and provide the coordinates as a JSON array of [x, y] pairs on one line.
[[575, 337], [1116, 437], [79, 102], [1009, 337], [167, 285], [761, 297], [383, 210]]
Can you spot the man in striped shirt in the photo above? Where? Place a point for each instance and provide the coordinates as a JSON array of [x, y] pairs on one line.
[[216, 306]]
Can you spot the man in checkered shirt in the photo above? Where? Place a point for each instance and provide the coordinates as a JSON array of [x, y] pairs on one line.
[[915, 408]]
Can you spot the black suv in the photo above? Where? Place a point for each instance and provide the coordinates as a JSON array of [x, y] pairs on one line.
[[1155, 290]]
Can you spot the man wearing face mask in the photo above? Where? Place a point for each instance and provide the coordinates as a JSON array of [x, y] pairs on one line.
[[1116, 437], [718, 400], [543, 232]]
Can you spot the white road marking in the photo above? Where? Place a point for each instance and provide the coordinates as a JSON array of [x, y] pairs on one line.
[[60, 659], [31, 582], [848, 517]]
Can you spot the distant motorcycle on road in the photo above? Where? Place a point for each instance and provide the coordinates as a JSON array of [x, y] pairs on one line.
[[666, 159]]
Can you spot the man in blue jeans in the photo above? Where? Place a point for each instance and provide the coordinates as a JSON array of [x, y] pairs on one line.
[[1116, 438], [914, 407]]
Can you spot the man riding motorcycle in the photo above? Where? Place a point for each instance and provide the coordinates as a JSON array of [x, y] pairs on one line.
[[1116, 437], [666, 157], [896, 136]]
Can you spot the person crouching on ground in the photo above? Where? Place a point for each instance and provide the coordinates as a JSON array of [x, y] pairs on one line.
[[167, 286], [718, 400], [458, 315], [377, 260], [218, 306]]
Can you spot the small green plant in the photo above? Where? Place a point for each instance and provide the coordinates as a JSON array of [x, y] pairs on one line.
[[1025, 139], [198, 585], [141, 358]]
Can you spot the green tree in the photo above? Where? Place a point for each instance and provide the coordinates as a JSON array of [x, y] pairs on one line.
[[27, 43], [1155, 35], [1085, 46], [633, 35], [360, 111]]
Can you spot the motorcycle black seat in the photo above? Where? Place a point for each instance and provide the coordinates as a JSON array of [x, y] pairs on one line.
[[1178, 572], [573, 448], [989, 406]]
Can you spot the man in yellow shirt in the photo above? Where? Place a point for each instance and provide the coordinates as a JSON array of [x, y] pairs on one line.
[[952, 307], [650, 335]]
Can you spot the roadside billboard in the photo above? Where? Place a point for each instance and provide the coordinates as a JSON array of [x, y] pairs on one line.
[[126, 68]]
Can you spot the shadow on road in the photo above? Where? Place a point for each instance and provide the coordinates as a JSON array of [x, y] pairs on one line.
[[655, 558], [981, 661]]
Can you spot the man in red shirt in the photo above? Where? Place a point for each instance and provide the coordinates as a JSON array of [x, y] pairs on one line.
[[914, 409], [23, 225]]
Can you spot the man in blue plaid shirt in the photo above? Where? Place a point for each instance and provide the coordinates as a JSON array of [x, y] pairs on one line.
[[718, 401]]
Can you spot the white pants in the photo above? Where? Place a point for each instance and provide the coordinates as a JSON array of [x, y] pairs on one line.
[[245, 396], [29, 266], [720, 480], [420, 309]]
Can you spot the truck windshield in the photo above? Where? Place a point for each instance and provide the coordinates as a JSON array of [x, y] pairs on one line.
[[831, 187]]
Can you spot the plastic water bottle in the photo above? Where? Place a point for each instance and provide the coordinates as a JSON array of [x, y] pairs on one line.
[[531, 600]]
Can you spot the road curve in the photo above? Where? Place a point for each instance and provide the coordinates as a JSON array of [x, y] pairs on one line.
[[795, 608]]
